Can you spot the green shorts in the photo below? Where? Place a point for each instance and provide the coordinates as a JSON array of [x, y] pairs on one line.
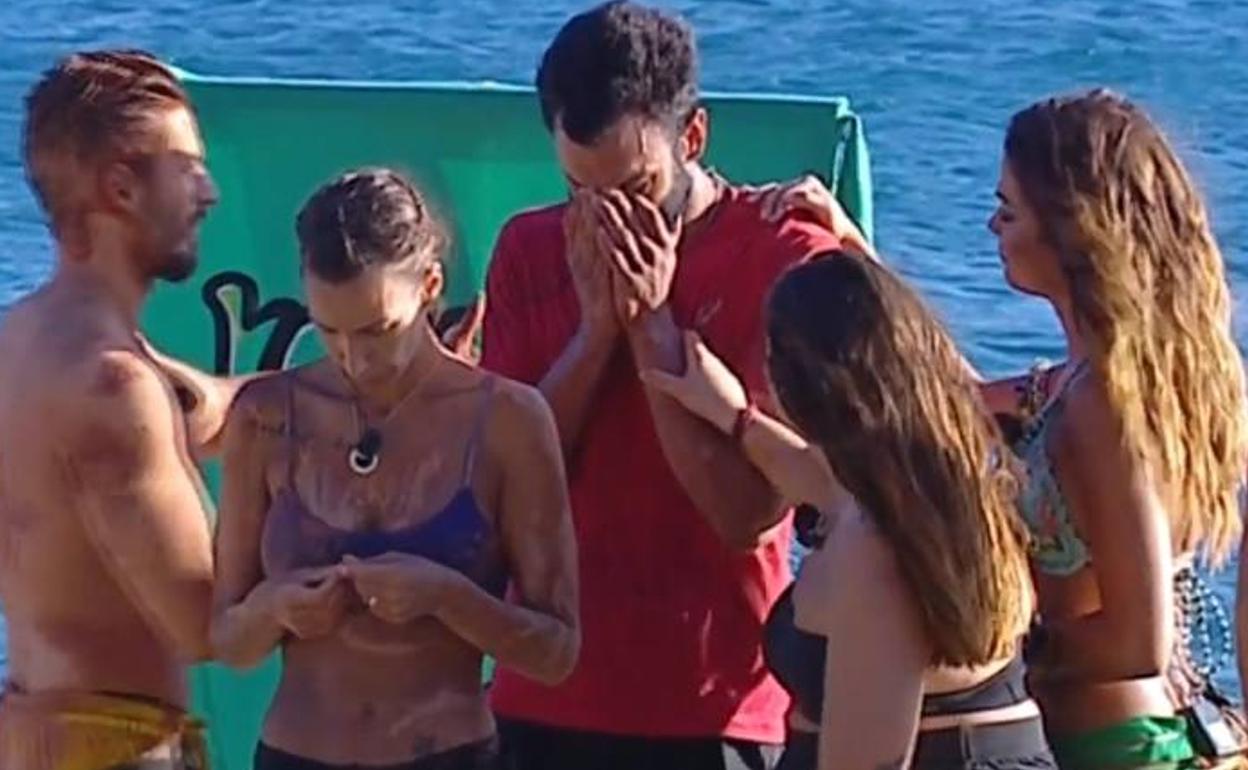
[[1155, 743]]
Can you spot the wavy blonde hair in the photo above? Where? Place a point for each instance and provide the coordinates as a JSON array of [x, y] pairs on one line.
[[866, 371], [1149, 293]]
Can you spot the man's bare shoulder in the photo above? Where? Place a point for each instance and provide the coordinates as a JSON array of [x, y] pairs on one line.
[[59, 337], [114, 389], [18, 314], [121, 376], [24, 331], [110, 421]]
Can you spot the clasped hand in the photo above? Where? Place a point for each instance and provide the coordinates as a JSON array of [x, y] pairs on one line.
[[396, 588]]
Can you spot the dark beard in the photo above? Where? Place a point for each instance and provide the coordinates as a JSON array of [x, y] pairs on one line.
[[676, 202], [177, 266], [173, 252]]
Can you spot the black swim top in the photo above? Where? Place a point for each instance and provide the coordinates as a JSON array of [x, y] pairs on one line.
[[457, 536], [797, 660]]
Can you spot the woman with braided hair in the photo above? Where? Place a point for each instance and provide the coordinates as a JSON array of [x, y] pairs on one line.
[[376, 505]]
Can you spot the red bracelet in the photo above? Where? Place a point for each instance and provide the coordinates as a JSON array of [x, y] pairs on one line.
[[745, 417]]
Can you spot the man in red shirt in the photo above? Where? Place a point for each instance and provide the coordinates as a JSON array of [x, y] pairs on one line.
[[683, 545]]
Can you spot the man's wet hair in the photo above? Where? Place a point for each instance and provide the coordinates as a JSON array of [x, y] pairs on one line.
[[88, 109], [618, 59]]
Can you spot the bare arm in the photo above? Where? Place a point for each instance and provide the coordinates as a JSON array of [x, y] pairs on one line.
[[1016, 396], [540, 635], [571, 384], [877, 653], [1117, 511], [252, 614], [140, 499], [709, 389], [205, 400], [739, 502], [1241, 619], [1002, 396], [1241, 616], [795, 467], [244, 627]]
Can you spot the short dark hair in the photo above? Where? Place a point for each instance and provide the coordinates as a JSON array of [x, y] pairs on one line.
[[86, 108], [616, 59], [367, 217]]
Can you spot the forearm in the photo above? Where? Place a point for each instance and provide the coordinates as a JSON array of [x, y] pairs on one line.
[[1241, 629], [738, 501], [205, 401], [538, 645], [570, 385], [796, 468], [244, 634], [1004, 396], [1017, 396], [1094, 648], [1241, 622]]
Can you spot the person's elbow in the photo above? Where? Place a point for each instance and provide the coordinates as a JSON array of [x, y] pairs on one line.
[[561, 659], [194, 645], [1142, 654], [199, 651], [1140, 661], [739, 537], [745, 525]]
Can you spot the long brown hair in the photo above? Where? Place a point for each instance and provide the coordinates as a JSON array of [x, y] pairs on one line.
[[1149, 294], [866, 371]]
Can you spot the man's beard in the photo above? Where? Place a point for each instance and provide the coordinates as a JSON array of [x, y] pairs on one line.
[[179, 265], [176, 258], [676, 202]]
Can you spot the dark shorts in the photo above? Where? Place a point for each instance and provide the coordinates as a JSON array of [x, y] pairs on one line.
[[1009, 746], [528, 746], [474, 756]]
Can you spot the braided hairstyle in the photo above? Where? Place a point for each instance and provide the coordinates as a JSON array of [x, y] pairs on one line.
[[364, 218]]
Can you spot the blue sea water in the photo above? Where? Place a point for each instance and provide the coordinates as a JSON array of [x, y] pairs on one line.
[[935, 80]]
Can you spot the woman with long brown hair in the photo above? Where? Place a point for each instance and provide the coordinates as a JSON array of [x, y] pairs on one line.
[[901, 638], [1136, 446]]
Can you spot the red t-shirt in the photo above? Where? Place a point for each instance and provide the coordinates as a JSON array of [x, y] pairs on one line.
[[671, 617]]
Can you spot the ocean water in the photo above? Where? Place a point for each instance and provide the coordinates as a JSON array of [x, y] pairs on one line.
[[935, 80]]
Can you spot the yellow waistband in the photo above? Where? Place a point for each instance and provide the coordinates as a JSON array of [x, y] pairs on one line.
[[91, 731]]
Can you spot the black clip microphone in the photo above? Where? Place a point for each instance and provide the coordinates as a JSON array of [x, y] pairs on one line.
[[365, 455]]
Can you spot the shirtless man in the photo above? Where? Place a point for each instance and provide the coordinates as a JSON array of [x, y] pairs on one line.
[[105, 553]]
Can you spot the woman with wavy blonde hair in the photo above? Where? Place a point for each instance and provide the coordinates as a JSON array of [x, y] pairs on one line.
[[1136, 454], [900, 642]]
